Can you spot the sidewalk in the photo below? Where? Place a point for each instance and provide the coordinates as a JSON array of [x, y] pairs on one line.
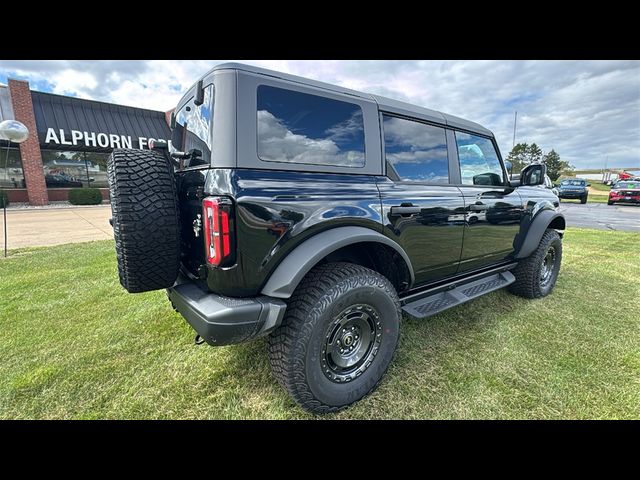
[[53, 226]]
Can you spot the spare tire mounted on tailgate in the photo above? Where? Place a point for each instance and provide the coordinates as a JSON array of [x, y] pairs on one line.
[[146, 226]]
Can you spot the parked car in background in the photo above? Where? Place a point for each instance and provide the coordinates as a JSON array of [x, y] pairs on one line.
[[574, 188], [61, 180], [625, 191]]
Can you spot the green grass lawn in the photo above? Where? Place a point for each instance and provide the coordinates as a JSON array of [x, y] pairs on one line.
[[600, 188], [74, 344]]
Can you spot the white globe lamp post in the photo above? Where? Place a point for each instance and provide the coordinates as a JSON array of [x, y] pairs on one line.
[[15, 132]]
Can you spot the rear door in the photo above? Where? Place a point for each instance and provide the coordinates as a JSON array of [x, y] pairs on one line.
[[493, 210], [421, 210]]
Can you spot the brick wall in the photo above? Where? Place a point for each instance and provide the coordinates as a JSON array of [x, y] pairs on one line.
[[18, 195], [30, 149]]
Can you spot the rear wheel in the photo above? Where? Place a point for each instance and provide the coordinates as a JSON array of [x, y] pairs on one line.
[[337, 338], [536, 275]]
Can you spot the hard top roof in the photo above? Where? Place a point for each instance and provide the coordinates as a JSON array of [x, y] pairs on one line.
[[384, 103]]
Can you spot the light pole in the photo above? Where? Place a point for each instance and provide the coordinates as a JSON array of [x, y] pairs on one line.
[[14, 132], [515, 120]]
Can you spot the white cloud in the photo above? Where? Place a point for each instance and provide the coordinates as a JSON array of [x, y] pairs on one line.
[[418, 135], [585, 110], [277, 143]]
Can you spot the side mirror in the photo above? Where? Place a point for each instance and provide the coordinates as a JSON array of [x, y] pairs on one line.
[[199, 97], [588, 184], [533, 175]]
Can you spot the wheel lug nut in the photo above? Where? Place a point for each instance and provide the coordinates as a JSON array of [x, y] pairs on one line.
[[342, 350], [353, 328]]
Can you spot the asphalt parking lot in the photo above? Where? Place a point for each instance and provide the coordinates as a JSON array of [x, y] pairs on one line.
[[602, 216]]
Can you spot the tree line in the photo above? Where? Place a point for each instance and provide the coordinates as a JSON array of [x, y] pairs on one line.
[[523, 154]]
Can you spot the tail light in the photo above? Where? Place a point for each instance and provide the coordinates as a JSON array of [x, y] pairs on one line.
[[218, 231]]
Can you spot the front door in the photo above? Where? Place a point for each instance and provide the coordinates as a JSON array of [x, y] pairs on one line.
[[492, 209], [421, 210]]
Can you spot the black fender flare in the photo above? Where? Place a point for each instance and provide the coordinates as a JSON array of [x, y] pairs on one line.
[[536, 230], [286, 277]]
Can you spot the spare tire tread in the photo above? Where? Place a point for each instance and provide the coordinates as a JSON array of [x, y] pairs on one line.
[[146, 221]]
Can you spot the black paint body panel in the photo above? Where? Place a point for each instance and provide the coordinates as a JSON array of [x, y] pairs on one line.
[[457, 228]]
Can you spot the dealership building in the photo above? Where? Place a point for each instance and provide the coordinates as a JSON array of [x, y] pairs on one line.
[[69, 142]]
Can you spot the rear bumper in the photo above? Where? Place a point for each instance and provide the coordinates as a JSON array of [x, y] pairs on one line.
[[222, 320]]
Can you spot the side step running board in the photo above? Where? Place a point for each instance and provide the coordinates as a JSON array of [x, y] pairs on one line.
[[436, 303]]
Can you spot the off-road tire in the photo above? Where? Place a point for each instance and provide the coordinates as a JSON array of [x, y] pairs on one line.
[[528, 282], [296, 347], [146, 224]]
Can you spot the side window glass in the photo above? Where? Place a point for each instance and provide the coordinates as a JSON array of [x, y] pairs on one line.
[[479, 163], [417, 151]]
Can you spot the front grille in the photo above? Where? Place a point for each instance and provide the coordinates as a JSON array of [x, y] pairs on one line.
[[630, 193]]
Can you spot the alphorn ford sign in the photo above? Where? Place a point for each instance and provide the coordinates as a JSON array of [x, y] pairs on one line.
[[95, 139]]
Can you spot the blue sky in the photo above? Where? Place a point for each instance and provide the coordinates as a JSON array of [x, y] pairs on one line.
[[587, 111]]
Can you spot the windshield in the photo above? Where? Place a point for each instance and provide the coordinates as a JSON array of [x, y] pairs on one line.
[[572, 183], [193, 127], [628, 185]]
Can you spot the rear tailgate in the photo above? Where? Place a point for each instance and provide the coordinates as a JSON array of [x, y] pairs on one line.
[[190, 193]]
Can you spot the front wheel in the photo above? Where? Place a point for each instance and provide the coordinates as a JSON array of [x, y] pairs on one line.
[[583, 200], [337, 338], [609, 202], [536, 275]]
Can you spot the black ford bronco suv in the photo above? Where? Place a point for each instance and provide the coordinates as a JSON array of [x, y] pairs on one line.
[[317, 215]]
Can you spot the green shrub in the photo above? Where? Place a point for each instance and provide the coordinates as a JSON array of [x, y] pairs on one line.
[[4, 199], [85, 196]]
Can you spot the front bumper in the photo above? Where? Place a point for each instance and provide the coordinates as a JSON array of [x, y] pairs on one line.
[[223, 320], [624, 198], [572, 194]]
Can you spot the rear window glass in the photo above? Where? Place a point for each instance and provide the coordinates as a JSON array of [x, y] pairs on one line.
[[193, 126], [297, 127]]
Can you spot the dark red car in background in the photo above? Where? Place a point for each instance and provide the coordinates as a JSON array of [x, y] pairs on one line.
[[625, 191]]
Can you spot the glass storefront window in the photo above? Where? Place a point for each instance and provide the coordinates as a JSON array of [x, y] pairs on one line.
[[65, 169], [97, 168], [11, 175]]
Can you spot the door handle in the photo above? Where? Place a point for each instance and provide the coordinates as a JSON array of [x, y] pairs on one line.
[[405, 210], [478, 207]]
